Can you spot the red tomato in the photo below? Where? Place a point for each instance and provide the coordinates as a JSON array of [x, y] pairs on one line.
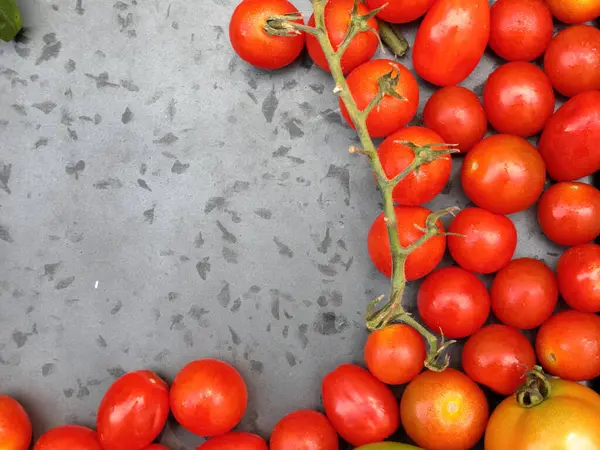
[[453, 302], [400, 12], [568, 345], [235, 441], [572, 60], [361, 408], [488, 243], [304, 429], [395, 354], [524, 293], [444, 410], [15, 426], [69, 437], [520, 30], [504, 174], [420, 262], [574, 11], [451, 40], [392, 113], [498, 356], [208, 397], [337, 17], [569, 143], [579, 277], [252, 43], [133, 411], [456, 114]]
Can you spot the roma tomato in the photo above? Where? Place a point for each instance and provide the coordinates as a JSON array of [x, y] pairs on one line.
[[574, 11], [451, 40], [395, 354], [361, 408], [456, 114], [235, 441], [392, 113], [569, 142], [498, 357], [420, 262], [524, 293], [568, 345], [133, 411], [444, 410], [504, 174], [488, 240], [303, 429], [69, 437], [454, 302], [15, 426], [337, 17], [420, 186], [208, 397], [400, 12], [252, 43], [579, 277]]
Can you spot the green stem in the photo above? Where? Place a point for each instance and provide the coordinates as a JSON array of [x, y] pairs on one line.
[[393, 38]]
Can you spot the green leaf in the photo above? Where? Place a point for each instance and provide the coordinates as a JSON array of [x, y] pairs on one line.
[[10, 20]]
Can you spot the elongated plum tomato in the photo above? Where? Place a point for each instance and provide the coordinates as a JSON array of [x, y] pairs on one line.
[[15, 426], [337, 18], [399, 11], [423, 259], [451, 40], [133, 411], [304, 429], [574, 11], [391, 113], [253, 44], [361, 408], [579, 277], [235, 441], [69, 437]]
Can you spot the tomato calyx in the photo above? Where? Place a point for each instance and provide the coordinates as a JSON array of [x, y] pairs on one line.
[[358, 24], [535, 390]]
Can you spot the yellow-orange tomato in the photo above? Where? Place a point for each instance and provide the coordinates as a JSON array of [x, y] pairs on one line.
[[574, 11]]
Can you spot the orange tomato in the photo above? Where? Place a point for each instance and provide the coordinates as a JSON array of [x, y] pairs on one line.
[[574, 11]]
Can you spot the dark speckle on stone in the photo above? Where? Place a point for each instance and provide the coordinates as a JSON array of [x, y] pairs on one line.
[[101, 80], [120, 6], [101, 341], [235, 338], [264, 213], [291, 359], [70, 66], [75, 169], [214, 202], [269, 105], [20, 338], [50, 270], [5, 170], [329, 323], [118, 306], [224, 296], [20, 109], [46, 107], [149, 215], [318, 88], [325, 243], [79, 7], [129, 85], [281, 151], [116, 372], [283, 249], [143, 184], [5, 235], [275, 309], [285, 331], [73, 134], [108, 183], [64, 283], [229, 255], [143, 169], [293, 128], [226, 235], [199, 241], [126, 116], [68, 392], [203, 267], [252, 97], [327, 270], [332, 117], [48, 369], [179, 168], [41, 142], [302, 330], [50, 50], [342, 174], [256, 366], [167, 139], [240, 186]]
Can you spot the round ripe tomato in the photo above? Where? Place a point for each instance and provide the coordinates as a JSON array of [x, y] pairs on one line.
[[453, 302], [235, 441], [488, 240], [304, 429], [572, 60], [392, 113], [568, 345], [579, 277], [451, 40], [337, 17], [498, 356], [400, 12], [444, 410], [574, 11], [15, 426], [252, 43], [504, 174], [133, 411], [518, 99], [395, 354], [68, 437], [208, 397], [524, 293], [569, 142], [520, 30], [456, 114], [420, 262], [361, 408]]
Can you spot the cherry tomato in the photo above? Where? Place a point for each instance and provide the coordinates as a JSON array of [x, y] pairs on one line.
[[337, 17], [456, 114], [488, 240], [453, 302], [451, 40], [524, 293], [579, 277], [444, 410], [574, 11], [69, 437], [568, 345], [569, 142], [235, 440], [304, 429], [15, 426], [400, 12], [133, 411], [396, 354], [421, 261], [208, 397], [392, 113], [252, 43], [361, 408]]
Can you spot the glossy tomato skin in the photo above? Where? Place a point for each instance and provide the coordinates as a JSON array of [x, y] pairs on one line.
[[489, 241], [401, 12], [361, 408], [392, 113], [524, 293], [252, 43], [419, 186], [574, 11], [451, 40], [579, 277], [235, 440], [420, 262], [456, 114], [569, 142], [444, 410], [503, 174], [208, 397], [68, 437], [304, 429], [15, 426]]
